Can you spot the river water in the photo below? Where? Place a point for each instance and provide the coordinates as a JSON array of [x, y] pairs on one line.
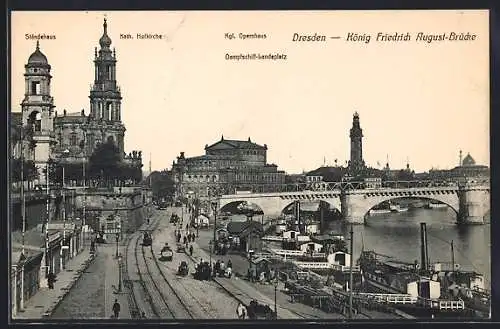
[[398, 235]]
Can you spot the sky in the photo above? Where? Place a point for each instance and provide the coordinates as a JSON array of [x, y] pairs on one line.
[[419, 102]]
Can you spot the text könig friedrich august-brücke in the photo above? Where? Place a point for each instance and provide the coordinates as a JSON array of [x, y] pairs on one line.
[[418, 37]]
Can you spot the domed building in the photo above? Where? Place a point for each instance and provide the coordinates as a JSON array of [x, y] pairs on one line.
[[227, 166], [469, 169], [72, 137]]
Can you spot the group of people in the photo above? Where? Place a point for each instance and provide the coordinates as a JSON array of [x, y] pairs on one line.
[[261, 276], [187, 238], [253, 309], [222, 270]]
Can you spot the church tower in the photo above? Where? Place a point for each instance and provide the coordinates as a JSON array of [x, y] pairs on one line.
[[105, 96], [37, 107], [356, 134]]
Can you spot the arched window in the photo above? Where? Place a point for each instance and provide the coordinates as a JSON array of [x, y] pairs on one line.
[[35, 121], [109, 108], [73, 139]]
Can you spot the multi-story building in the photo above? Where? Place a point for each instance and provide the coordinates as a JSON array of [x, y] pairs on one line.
[[467, 169], [71, 137], [226, 166], [79, 134]]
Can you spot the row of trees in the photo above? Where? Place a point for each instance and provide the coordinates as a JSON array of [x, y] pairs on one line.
[[104, 164], [162, 185]]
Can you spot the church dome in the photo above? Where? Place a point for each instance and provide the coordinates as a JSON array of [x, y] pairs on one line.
[[38, 57], [468, 161], [105, 40]]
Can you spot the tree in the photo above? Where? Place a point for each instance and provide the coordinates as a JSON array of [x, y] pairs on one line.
[[104, 163], [30, 171], [162, 184], [72, 171]]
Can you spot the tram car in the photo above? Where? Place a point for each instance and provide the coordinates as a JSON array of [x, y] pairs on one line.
[[166, 253], [203, 271], [147, 240], [183, 269]]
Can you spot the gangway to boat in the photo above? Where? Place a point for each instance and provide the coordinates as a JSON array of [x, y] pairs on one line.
[[325, 266], [388, 298], [272, 238], [296, 253]]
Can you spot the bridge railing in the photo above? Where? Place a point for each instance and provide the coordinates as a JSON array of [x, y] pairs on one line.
[[350, 185], [355, 185]]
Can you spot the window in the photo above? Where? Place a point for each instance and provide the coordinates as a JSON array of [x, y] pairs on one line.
[[73, 139], [108, 111], [35, 87]]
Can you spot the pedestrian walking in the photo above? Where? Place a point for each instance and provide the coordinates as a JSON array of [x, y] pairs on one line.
[[191, 250], [185, 239], [51, 278], [241, 311], [116, 309]]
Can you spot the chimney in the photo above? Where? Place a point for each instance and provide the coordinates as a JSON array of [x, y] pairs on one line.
[[423, 248]]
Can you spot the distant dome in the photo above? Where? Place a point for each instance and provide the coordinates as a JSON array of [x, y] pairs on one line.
[[38, 57], [105, 40], [468, 161]]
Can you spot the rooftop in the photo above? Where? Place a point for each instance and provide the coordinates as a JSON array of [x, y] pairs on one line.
[[37, 57], [235, 144]]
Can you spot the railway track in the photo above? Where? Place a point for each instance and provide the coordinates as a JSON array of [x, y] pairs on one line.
[[160, 300], [193, 307]]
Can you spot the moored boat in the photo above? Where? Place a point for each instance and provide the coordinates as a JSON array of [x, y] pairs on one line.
[[386, 275]]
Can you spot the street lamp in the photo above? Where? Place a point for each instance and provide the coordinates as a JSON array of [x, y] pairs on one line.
[[117, 239], [119, 274], [84, 188], [275, 294], [350, 270], [210, 259], [214, 208]]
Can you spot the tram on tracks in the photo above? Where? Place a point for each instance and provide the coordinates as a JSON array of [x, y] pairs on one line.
[[147, 240], [166, 253]]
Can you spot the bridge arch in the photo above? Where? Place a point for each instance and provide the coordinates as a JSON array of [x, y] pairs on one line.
[[357, 206], [328, 204], [234, 207], [273, 204], [456, 210]]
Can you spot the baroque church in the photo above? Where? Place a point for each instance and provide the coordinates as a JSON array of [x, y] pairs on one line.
[[71, 137]]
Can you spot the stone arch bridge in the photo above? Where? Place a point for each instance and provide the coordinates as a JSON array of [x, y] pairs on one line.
[[471, 202]]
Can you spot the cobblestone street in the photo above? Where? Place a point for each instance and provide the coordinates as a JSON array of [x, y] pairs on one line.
[[86, 300], [93, 295]]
